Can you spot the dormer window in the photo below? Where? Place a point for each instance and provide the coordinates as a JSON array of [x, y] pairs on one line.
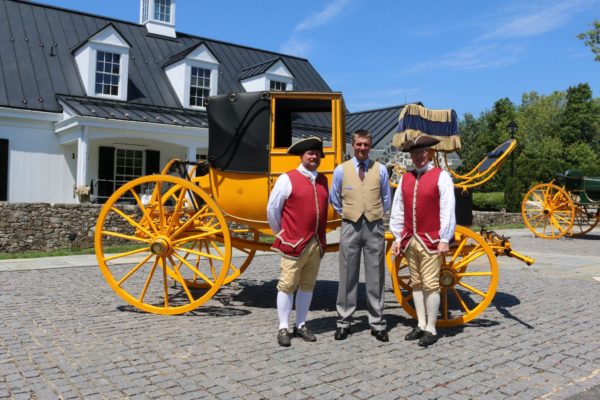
[[272, 74], [199, 86], [278, 86], [193, 73], [103, 64], [107, 73], [158, 16]]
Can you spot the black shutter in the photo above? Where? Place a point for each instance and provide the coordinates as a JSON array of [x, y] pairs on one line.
[[106, 172], [152, 162], [3, 169]]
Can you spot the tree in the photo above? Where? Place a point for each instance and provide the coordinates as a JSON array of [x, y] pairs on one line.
[[580, 121], [591, 38]]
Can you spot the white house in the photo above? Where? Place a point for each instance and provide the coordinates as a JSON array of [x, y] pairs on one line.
[[88, 102]]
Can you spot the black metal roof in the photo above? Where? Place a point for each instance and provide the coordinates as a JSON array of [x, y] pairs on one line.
[[379, 122], [127, 111], [257, 69], [36, 62]]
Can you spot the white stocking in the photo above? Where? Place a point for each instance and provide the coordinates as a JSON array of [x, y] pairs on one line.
[[302, 305], [420, 308], [284, 308], [432, 302]]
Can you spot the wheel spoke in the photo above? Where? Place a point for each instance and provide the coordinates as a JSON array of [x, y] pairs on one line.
[[182, 281], [469, 258], [144, 211], [189, 222], [131, 221], [458, 250], [484, 273], [194, 270], [471, 288], [460, 300], [123, 236], [199, 253], [128, 253], [148, 279], [196, 237], [176, 210], [134, 269], [163, 262]]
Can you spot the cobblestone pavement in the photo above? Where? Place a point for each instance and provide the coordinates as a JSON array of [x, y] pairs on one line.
[[65, 334]]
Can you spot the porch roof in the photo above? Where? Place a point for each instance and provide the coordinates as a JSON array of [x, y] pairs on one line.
[[127, 111]]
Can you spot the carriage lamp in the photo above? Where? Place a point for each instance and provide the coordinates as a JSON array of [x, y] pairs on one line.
[[512, 129]]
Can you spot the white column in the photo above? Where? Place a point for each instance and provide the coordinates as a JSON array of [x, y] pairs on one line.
[[82, 157]]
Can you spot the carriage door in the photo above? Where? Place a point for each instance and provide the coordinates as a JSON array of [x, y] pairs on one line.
[[297, 118], [3, 169]]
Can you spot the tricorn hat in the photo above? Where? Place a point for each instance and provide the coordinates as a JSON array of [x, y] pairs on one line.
[[419, 142], [311, 143]]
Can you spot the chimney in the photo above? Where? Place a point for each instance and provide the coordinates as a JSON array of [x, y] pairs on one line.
[[158, 16]]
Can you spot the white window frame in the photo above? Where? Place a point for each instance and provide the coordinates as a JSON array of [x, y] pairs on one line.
[[110, 41], [273, 85], [180, 74], [167, 5]]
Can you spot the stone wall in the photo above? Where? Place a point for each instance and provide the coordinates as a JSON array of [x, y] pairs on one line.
[[45, 227]]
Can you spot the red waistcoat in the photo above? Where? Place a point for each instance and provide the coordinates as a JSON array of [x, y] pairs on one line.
[[304, 215], [421, 208]]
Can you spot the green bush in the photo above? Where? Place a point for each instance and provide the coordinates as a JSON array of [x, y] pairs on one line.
[[493, 201]]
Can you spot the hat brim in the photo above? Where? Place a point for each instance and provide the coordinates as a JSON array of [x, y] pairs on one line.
[[420, 142], [311, 143]]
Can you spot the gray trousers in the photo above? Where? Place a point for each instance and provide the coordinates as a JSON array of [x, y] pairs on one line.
[[367, 237]]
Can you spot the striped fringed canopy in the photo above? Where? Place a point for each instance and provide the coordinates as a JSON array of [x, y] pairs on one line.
[[416, 120]]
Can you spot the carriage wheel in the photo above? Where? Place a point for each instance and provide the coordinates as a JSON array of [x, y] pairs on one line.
[[548, 211], [237, 267], [211, 248], [586, 219], [468, 279], [156, 236]]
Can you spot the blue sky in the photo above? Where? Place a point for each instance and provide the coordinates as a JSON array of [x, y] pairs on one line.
[[461, 54]]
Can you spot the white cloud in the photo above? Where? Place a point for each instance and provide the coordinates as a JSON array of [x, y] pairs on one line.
[[536, 22], [471, 58], [322, 17], [296, 47], [296, 44]]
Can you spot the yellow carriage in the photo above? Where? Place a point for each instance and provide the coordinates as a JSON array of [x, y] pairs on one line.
[[569, 205], [180, 232]]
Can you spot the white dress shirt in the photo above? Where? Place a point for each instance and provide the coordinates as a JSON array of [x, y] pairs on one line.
[[447, 216], [280, 193]]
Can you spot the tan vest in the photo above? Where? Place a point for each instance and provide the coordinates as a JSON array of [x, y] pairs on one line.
[[361, 198]]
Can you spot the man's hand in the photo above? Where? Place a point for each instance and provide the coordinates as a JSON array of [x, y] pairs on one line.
[[396, 248], [443, 248]]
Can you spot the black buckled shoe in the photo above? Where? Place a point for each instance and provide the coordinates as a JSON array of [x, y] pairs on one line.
[[416, 333], [304, 333], [284, 338], [382, 335], [341, 333], [427, 339]]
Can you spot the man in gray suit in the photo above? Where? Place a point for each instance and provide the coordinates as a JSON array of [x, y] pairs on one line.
[[360, 193]]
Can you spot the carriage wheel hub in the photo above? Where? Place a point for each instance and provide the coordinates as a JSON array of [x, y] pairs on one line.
[[447, 278], [160, 246]]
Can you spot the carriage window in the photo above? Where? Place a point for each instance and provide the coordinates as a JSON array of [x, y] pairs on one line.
[[299, 119]]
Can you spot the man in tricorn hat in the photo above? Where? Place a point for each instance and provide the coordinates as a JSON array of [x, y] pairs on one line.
[[423, 222], [297, 213]]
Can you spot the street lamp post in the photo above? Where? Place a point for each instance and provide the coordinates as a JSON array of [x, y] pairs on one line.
[[512, 129]]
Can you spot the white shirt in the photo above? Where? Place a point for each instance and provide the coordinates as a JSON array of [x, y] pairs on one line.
[[280, 193], [447, 216]]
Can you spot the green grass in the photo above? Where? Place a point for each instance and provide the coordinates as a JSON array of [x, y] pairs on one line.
[[62, 252], [496, 227]]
